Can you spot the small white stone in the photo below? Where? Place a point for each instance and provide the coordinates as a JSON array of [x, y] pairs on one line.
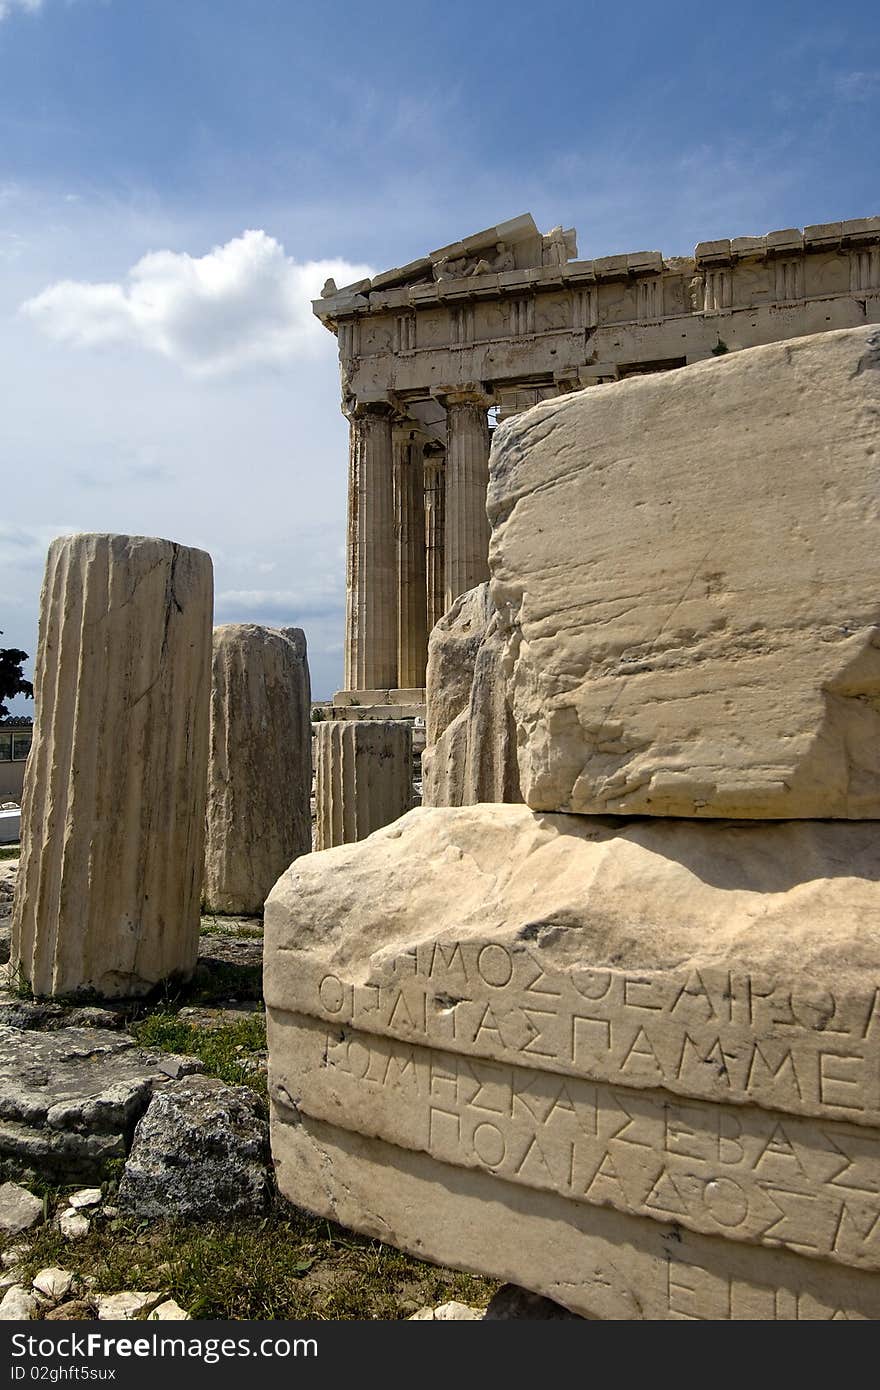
[[86, 1197], [74, 1225], [13, 1256], [169, 1311], [122, 1307], [449, 1312], [19, 1305], [53, 1282], [19, 1209]]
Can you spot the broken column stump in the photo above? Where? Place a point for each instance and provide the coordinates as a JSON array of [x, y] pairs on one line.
[[113, 815], [260, 768], [364, 777]]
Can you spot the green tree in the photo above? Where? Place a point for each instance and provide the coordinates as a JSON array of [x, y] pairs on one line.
[[12, 682]]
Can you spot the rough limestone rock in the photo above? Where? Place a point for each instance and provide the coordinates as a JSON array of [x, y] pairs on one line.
[[491, 768], [691, 562], [73, 1225], [632, 1067], [125, 1306], [471, 751], [86, 1197], [260, 769], [169, 1311], [19, 1209], [444, 764], [363, 777], [70, 1099], [53, 1282], [199, 1153], [448, 1312], [18, 1304], [107, 895], [452, 652]]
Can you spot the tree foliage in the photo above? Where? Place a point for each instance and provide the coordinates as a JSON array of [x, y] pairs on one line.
[[12, 682]]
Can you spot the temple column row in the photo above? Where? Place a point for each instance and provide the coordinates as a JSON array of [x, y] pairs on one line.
[[371, 578], [412, 598], [418, 536], [467, 477], [435, 532]]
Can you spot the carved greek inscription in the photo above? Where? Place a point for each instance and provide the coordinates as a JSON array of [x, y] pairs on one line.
[[737, 1171], [694, 1293], [698, 1032]]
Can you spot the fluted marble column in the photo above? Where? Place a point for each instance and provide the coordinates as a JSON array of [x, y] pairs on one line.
[[412, 614], [260, 770], [363, 778], [371, 587], [467, 477], [435, 550], [113, 818]]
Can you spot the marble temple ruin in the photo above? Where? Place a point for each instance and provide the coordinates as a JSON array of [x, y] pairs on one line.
[[601, 1016], [434, 353]]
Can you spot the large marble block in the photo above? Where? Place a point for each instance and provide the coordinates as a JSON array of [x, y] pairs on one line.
[[634, 1068], [692, 566]]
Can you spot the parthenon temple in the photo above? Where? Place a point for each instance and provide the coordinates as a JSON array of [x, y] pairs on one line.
[[434, 353]]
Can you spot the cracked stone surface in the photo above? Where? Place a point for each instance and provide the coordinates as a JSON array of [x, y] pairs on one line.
[[201, 1151], [692, 587], [71, 1097]]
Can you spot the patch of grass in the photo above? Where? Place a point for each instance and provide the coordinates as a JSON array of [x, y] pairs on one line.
[[223, 1050], [288, 1266], [13, 979], [10, 851], [231, 927]]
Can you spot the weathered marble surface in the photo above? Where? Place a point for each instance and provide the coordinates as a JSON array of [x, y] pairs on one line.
[[260, 767], [70, 1099], [691, 564], [633, 1068], [471, 750], [113, 815], [363, 779]]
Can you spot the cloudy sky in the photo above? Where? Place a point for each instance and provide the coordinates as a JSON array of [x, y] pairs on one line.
[[178, 178]]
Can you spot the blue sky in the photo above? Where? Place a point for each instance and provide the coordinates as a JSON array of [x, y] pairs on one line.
[[359, 135]]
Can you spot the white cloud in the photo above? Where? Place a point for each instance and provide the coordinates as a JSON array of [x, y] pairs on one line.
[[856, 86], [7, 7], [242, 305]]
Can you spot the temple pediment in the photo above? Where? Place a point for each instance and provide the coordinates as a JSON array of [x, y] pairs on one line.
[[515, 245]]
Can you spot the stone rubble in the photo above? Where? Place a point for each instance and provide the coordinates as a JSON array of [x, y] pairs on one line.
[[53, 1282], [18, 1305], [201, 1152], [86, 1197], [19, 1209], [168, 1311], [70, 1099], [74, 1225], [448, 1312], [122, 1307]]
